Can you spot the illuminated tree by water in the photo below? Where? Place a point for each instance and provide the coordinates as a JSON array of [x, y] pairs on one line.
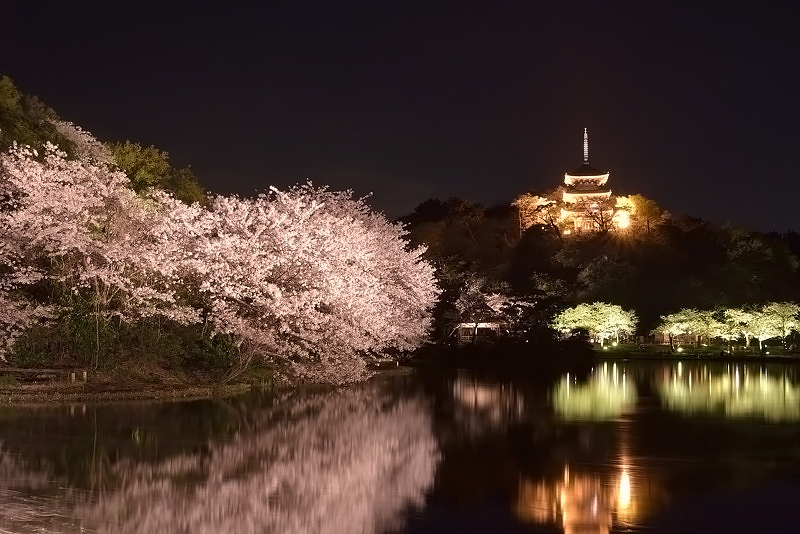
[[308, 278], [74, 228], [676, 324], [764, 325], [772, 320], [700, 323], [736, 323], [602, 320], [785, 314]]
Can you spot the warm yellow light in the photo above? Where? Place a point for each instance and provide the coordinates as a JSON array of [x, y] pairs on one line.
[[622, 219], [770, 398], [624, 497]]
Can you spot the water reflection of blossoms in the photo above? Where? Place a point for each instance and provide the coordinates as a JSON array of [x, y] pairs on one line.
[[27, 502], [607, 394], [482, 407], [350, 461], [353, 460], [735, 391]]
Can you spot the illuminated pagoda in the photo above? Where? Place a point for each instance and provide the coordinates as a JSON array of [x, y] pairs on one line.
[[587, 202]]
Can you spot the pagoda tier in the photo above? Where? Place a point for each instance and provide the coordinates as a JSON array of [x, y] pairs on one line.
[[586, 184], [577, 195]]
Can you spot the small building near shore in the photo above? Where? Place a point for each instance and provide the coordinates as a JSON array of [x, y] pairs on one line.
[[477, 332], [479, 324]]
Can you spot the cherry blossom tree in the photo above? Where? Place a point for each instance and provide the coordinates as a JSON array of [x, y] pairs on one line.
[[86, 147], [602, 320], [737, 322], [676, 324], [785, 315], [477, 299], [535, 209], [16, 316], [764, 325], [74, 226], [700, 323], [772, 320], [309, 279]]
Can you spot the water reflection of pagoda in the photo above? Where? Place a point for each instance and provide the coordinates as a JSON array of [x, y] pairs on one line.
[[595, 500]]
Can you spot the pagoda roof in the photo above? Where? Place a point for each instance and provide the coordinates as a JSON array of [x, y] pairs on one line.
[[587, 170]]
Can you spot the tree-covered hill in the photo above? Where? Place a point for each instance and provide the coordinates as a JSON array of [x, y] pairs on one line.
[[656, 266], [25, 120]]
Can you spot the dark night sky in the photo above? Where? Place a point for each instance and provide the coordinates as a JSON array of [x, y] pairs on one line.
[[696, 105]]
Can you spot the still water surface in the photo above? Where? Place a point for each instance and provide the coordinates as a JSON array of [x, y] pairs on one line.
[[628, 447]]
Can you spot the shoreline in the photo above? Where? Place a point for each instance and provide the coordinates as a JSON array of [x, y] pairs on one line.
[[60, 392], [688, 356]]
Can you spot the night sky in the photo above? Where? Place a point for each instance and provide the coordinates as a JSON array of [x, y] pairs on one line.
[[695, 105]]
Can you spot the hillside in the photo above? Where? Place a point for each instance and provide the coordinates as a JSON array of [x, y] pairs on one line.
[[656, 266]]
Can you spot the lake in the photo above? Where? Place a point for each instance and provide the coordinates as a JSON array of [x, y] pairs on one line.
[[628, 446]]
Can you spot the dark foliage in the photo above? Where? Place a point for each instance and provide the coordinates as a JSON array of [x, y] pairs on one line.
[[26, 121], [676, 263]]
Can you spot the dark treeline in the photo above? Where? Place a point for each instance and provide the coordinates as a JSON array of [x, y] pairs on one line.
[[25, 120], [654, 267]]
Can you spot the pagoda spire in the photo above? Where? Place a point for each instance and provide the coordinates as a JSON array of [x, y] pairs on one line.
[[585, 146]]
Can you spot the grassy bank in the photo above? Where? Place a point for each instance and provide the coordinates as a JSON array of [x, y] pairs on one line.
[[142, 381], [709, 352], [57, 392]]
